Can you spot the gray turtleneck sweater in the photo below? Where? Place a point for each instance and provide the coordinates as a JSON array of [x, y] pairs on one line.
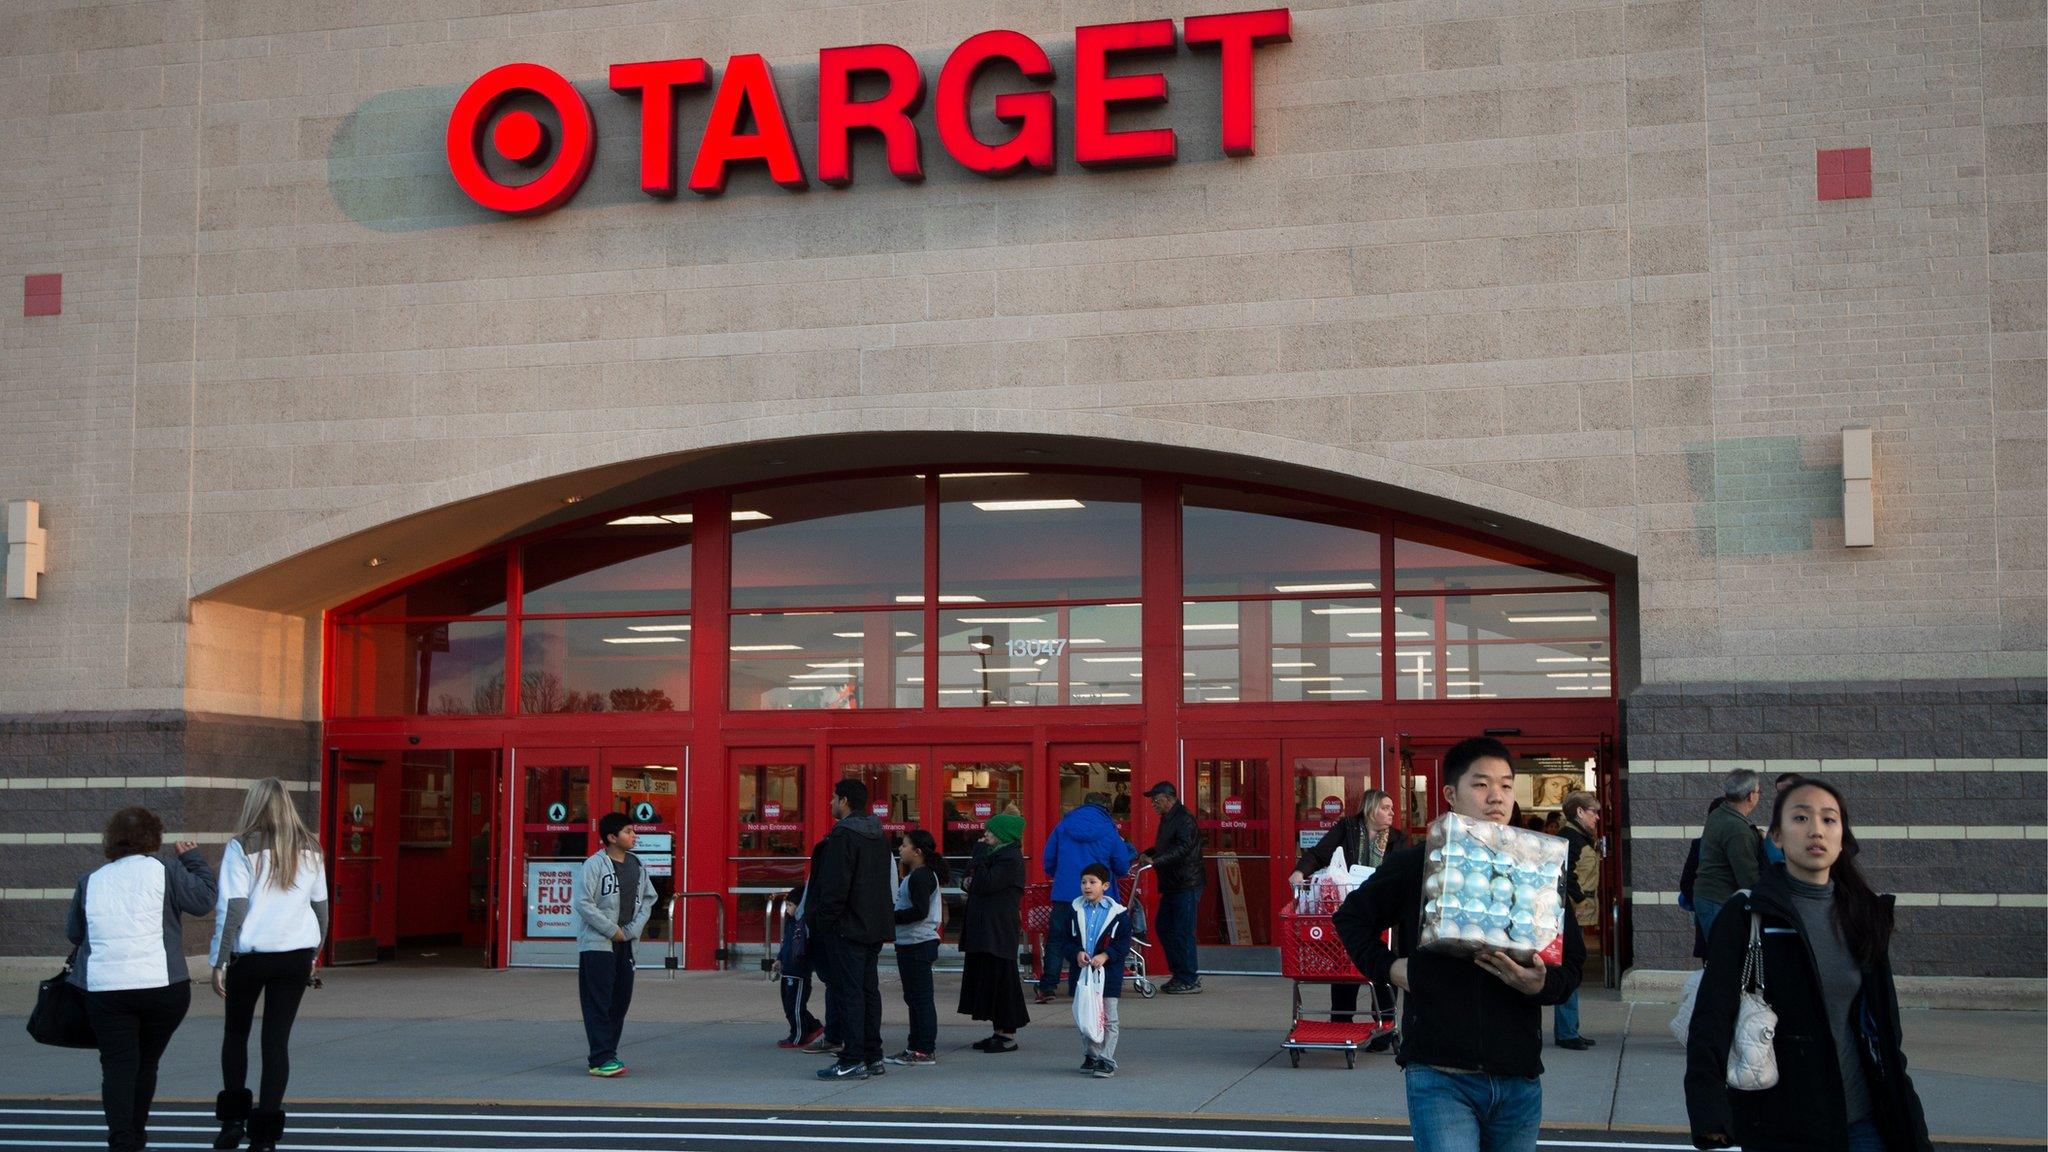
[[1841, 980]]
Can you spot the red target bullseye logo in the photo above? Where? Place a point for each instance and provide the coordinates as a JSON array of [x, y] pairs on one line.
[[520, 137]]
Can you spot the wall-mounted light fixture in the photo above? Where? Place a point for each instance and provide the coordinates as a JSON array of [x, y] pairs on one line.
[[25, 557], [1859, 528]]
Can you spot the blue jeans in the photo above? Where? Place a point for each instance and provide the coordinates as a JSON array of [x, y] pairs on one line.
[[1057, 962], [914, 968], [1176, 930], [1473, 1112], [1864, 1137], [1704, 911], [1565, 1018]]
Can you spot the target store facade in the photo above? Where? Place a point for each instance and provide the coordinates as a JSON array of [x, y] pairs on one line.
[[494, 418]]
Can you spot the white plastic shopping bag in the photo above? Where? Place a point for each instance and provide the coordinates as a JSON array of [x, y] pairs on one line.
[[1681, 1024], [1334, 882], [1090, 1015]]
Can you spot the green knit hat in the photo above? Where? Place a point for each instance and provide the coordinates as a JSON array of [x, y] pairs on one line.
[[1008, 827]]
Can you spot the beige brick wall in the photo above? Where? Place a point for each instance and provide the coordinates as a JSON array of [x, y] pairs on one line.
[[1561, 261]]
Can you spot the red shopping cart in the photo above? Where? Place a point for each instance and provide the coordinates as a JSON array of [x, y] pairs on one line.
[[1035, 910], [1311, 953]]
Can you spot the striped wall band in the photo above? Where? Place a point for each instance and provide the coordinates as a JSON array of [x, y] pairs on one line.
[[1911, 899], [95, 837], [35, 783], [1871, 831], [1770, 768]]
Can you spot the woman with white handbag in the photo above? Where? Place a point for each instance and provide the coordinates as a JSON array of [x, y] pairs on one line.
[[1795, 1040]]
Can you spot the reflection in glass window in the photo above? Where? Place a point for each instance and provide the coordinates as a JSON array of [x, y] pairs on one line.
[[635, 563], [847, 542], [451, 668], [622, 664], [1431, 558], [1543, 646], [1243, 543], [1011, 536], [1086, 654], [472, 590], [827, 660], [1260, 650]]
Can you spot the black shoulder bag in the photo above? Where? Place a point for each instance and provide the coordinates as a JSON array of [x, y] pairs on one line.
[[59, 1018]]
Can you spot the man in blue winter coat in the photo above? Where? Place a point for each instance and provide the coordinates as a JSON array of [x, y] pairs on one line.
[[1087, 835]]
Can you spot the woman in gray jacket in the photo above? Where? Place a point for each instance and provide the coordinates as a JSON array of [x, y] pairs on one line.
[[125, 919]]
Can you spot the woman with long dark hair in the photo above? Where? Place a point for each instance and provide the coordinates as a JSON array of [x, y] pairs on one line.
[[273, 918], [920, 919], [125, 920], [1825, 943], [1366, 836]]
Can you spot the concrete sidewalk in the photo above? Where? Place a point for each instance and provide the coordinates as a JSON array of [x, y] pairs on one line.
[[425, 1034]]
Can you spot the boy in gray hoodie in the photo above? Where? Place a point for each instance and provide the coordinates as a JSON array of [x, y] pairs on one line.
[[607, 923]]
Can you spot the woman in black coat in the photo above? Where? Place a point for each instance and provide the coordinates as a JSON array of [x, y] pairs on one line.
[[1825, 939], [1366, 836], [990, 988]]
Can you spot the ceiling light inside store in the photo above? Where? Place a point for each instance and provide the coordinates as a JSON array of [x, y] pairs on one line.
[[1574, 618], [1473, 695], [959, 599], [1340, 692], [1208, 627], [1112, 659], [1086, 640], [1027, 505], [836, 664], [1353, 586], [999, 619], [767, 648], [849, 635], [1562, 659], [1410, 635], [840, 676], [1294, 664], [1027, 669], [1345, 611], [657, 627], [1573, 687], [1464, 683], [1567, 675], [1308, 679], [643, 639], [805, 687]]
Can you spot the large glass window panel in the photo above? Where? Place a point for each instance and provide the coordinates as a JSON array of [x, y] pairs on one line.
[[449, 668], [617, 664], [1551, 646], [1038, 537], [1280, 650], [849, 542], [1242, 543], [973, 792], [476, 589], [635, 563], [892, 791], [827, 660], [1077, 778], [1086, 654], [1432, 558]]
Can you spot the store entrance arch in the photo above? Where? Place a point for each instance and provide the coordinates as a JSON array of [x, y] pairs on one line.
[[967, 640]]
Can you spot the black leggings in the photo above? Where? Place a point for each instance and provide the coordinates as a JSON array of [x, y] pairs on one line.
[[279, 978]]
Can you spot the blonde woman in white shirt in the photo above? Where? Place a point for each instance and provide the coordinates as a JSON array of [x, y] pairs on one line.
[[272, 920]]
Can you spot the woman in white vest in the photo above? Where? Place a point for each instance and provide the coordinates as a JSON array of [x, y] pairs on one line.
[[125, 920], [273, 918]]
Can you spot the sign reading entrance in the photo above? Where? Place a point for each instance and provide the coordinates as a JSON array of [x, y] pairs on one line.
[[747, 125]]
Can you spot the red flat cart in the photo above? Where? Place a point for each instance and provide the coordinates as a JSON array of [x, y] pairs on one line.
[[1310, 953]]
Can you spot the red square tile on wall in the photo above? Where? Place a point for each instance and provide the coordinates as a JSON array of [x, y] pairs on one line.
[[42, 294], [1842, 173]]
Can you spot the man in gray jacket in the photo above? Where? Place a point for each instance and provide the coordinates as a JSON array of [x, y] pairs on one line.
[[608, 920]]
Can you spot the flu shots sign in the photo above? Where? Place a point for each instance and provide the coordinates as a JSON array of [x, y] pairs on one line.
[[550, 898]]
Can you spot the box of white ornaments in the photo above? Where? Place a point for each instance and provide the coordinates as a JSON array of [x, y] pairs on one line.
[[1492, 886]]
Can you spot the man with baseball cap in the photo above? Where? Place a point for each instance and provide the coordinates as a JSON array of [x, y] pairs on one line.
[[1177, 857]]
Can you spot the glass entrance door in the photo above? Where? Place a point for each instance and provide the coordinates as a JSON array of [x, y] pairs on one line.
[[1233, 810], [892, 776], [771, 843], [976, 785], [645, 789], [1081, 769], [1327, 780], [365, 843], [555, 836]]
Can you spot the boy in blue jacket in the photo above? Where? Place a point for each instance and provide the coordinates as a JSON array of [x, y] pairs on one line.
[[1087, 835], [1099, 932]]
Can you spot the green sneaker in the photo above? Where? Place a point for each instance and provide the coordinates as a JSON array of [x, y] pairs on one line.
[[609, 1069]]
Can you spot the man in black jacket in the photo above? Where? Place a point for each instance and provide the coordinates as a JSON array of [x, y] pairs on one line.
[[1177, 858], [1471, 1029], [851, 906]]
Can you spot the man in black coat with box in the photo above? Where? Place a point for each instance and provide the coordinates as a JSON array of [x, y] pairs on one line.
[[1471, 1029]]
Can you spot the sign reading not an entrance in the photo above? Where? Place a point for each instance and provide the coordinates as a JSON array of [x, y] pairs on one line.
[[747, 125]]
